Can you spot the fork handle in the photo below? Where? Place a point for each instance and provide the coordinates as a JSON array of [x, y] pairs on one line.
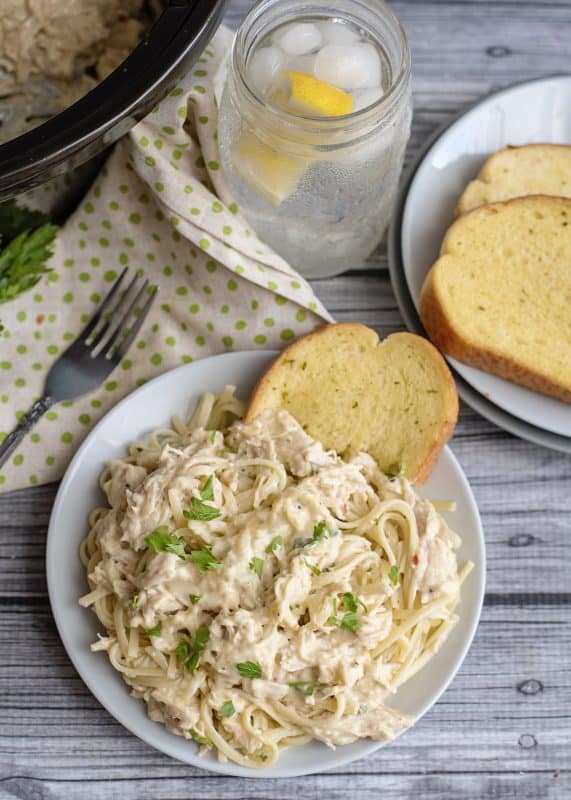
[[25, 425]]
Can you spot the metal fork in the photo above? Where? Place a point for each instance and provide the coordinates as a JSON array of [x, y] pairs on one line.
[[91, 357]]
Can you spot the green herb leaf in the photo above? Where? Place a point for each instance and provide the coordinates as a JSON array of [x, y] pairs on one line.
[[199, 738], [227, 709], [161, 541], [332, 620], [201, 511], [350, 622], [212, 437], [307, 688], [188, 653], [249, 669], [319, 532], [204, 559], [257, 565], [313, 568], [23, 261], [134, 601], [15, 219], [207, 492], [263, 756], [194, 598], [183, 650], [394, 574], [350, 601], [156, 631], [276, 542]]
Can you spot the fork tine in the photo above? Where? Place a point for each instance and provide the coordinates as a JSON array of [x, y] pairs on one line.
[[128, 341], [103, 331], [114, 337], [93, 322]]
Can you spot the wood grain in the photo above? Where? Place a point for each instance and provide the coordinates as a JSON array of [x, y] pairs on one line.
[[502, 729]]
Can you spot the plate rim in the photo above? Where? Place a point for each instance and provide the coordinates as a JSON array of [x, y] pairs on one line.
[[471, 396], [368, 746]]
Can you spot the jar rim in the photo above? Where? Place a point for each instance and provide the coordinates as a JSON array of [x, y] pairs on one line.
[[238, 62]]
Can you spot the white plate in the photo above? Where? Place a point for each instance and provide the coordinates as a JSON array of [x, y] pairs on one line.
[[151, 407], [538, 111]]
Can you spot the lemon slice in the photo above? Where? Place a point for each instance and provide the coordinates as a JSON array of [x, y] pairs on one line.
[[311, 96], [272, 174]]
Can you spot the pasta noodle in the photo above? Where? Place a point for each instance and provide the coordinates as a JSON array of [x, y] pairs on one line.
[[258, 592]]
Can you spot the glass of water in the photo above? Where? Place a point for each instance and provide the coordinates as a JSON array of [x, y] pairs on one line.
[[313, 126]]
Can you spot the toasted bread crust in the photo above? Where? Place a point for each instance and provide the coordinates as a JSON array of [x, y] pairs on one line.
[[488, 176], [450, 339], [264, 395]]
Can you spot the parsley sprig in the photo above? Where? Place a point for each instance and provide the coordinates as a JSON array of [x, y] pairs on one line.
[[257, 565], [320, 531], [306, 688], [204, 559], [161, 541], [350, 620], [199, 738], [189, 652], [394, 574], [249, 669], [227, 709], [200, 510], [28, 239]]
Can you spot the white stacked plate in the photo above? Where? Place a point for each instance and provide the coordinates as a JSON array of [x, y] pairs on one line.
[[536, 111]]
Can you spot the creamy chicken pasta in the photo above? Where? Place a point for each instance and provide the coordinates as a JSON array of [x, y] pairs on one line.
[[259, 592]]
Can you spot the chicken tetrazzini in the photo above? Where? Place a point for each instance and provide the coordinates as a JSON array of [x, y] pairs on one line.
[[258, 591]]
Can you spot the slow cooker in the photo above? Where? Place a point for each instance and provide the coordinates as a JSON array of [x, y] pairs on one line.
[[75, 139]]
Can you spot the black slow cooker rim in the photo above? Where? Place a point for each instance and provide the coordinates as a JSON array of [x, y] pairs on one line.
[[106, 113]]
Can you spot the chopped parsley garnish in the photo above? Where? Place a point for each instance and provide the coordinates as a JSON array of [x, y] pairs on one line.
[[161, 541], [395, 471], [194, 598], [201, 511], [213, 437], [249, 669], [204, 559], [350, 621], [156, 631], [319, 532], [394, 574], [257, 565], [263, 756], [307, 688], [276, 542], [207, 492], [332, 620], [199, 739], [135, 601], [351, 602], [227, 709], [313, 568], [188, 653]]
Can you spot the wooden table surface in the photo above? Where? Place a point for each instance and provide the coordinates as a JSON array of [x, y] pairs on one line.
[[503, 729]]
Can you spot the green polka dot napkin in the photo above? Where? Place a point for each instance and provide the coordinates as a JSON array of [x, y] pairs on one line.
[[159, 205]]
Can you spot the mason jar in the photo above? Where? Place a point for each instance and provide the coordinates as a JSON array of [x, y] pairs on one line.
[[318, 189]]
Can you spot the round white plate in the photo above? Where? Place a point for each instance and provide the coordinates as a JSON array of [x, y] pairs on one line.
[[454, 159], [151, 407]]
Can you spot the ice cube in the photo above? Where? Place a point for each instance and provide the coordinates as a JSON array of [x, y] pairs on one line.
[[349, 66], [362, 98], [298, 38], [264, 66], [337, 32], [305, 64]]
